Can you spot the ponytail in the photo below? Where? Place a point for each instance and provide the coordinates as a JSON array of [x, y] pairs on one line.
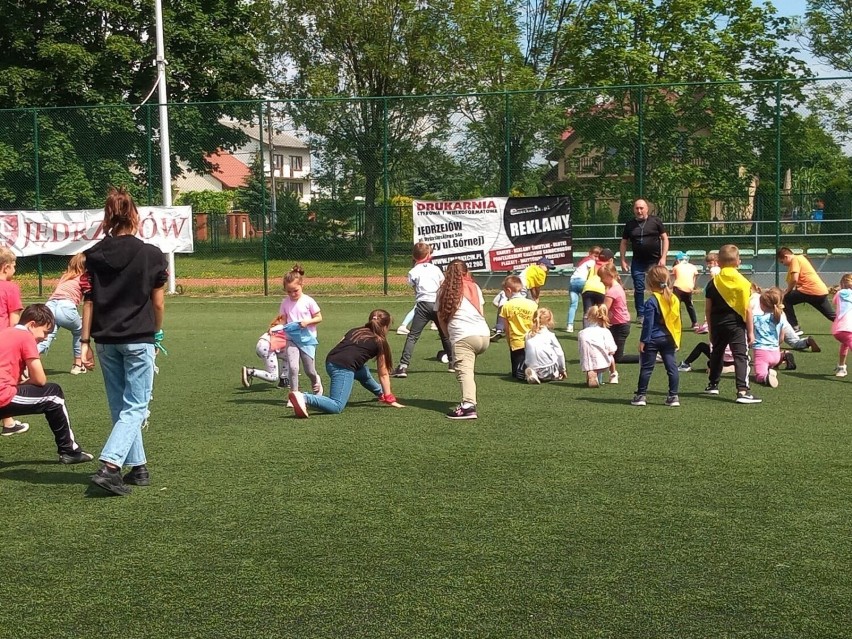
[[120, 214], [376, 330], [657, 279]]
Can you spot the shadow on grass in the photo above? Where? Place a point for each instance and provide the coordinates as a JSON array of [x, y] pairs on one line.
[[439, 406], [51, 477]]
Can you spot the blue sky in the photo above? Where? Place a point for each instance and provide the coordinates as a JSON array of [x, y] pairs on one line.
[[791, 8]]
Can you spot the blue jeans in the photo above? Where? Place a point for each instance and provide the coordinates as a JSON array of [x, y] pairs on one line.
[[342, 380], [575, 288], [666, 348], [637, 272], [128, 371], [66, 316]]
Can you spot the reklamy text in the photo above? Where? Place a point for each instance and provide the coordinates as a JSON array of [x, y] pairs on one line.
[[544, 225]]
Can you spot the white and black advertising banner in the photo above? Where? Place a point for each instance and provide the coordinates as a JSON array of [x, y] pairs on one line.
[[68, 232], [496, 233]]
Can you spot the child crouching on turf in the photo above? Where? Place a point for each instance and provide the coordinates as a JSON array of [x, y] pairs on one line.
[[768, 327], [596, 344], [271, 348], [544, 359], [19, 351], [518, 312], [347, 362], [661, 330]]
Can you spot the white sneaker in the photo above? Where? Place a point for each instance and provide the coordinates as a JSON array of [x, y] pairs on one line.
[[297, 401], [532, 376], [613, 378], [433, 327], [245, 378], [289, 404], [402, 330], [78, 369], [772, 379], [840, 371], [569, 328]]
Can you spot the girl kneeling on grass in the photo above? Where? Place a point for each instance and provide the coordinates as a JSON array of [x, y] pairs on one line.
[[347, 362]]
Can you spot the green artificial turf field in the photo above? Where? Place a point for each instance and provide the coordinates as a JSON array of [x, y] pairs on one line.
[[561, 512]]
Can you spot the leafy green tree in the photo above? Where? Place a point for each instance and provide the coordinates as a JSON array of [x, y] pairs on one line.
[[828, 27], [67, 53], [373, 49]]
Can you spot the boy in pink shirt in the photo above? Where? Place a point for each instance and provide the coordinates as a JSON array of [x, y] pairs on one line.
[[19, 351], [10, 311]]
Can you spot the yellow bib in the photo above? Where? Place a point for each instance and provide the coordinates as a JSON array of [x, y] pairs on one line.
[[671, 315], [734, 289]]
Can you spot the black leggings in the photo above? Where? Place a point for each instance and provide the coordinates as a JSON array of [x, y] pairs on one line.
[[620, 332]]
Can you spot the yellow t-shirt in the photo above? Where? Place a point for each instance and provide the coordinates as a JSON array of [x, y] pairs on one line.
[[518, 313], [535, 275], [809, 281], [684, 274]]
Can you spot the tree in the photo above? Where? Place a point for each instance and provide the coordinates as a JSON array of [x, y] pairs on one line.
[[375, 49], [828, 27], [693, 134], [67, 53]]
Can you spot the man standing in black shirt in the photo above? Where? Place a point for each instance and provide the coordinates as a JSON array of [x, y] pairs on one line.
[[649, 243]]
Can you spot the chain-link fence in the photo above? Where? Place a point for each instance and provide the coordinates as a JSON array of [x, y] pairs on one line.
[[328, 183]]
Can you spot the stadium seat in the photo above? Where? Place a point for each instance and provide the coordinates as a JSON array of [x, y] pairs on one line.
[[843, 251], [746, 253], [798, 251], [696, 254], [746, 269], [766, 252], [817, 252]]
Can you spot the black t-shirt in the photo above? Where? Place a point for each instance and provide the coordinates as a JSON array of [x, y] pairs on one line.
[[721, 313], [644, 236], [352, 354]]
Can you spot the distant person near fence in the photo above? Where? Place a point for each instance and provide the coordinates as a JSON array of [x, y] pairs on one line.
[[649, 242]]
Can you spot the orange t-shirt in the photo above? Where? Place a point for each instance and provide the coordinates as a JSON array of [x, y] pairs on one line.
[[684, 273], [809, 281]]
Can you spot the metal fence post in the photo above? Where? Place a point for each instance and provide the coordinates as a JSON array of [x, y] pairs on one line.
[[777, 175], [640, 148], [507, 141], [39, 265], [385, 186], [264, 244]]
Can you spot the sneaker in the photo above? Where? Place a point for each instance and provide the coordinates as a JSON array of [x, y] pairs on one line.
[[433, 327], [138, 476], [747, 398], [840, 371], [298, 401], [496, 336], [110, 480], [78, 369], [462, 413], [772, 378], [284, 382], [658, 359], [813, 345], [798, 330], [639, 400], [402, 330], [16, 428], [289, 404], [592, 379], [684, 367], [790, 361], [245, 377], [400, 372], [317, 388], [569, 328], [673, 401], [613, 378], [701, 329], [77, 457], [450, 367], [712, 389], [532, 376]]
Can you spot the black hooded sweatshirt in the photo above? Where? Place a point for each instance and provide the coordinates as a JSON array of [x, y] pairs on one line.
[[121, 274]]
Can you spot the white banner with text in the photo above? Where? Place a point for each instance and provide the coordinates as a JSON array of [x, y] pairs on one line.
[[67, 232], [496, 233]]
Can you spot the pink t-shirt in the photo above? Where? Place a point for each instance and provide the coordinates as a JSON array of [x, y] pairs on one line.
[[10, 301], [618, 313], [302, 309], [17, 345], [70, 290]]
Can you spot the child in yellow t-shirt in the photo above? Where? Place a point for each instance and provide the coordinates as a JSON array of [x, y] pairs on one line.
[[685, 276], [518, 313]]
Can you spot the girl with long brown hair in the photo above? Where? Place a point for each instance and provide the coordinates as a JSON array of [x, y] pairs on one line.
[[63, 303], [347, 363], [460, 316]]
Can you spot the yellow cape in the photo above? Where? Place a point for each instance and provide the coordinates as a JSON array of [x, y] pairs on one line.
[[671, 315], [734, 289]]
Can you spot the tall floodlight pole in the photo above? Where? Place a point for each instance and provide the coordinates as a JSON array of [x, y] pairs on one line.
[[165, 149]]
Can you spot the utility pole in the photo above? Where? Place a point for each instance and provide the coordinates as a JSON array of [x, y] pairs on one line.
[[165, 147]]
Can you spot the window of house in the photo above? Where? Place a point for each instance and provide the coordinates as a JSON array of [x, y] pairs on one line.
[[296, 187], [296, 162], [277, 160]]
